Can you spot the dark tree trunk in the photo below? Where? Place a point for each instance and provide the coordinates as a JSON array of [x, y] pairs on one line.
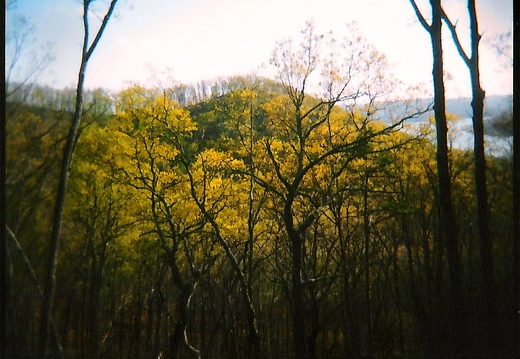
[[516, 170], [352, 332], [456, 315], [3, 238], [351, 328], [314, 329], [366, 233], [49, 280], [477, 104], [297, 290], [427, 332], [94, 295], [447, 217], [488, 287], [253, 334], [179, 345], [486, 256], [397, 296], [455, 327]]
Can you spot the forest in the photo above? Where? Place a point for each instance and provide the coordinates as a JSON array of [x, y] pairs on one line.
[[300, 216]]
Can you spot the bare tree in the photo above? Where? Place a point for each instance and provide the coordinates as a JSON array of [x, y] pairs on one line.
[[448, 226], [477, 104], [49, 279], [20, 76], [502, 44]]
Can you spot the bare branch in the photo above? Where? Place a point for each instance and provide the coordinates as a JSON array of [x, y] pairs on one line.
[[101, 29], [419, 15], [453, 29]]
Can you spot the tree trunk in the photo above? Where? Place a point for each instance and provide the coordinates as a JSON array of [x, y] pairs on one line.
[[179, 344], [49, 281], [366, 233], [314, 329], [516, 169], [455, 322], [3, 233], [447, 220], [447, 216], [297, 290], [253, 334], [477, 104], [397, 300], [427, 332], [488, 290], [486, 256], [179, 338]]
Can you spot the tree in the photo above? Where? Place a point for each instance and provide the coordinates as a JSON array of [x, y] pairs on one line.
[[22, 68], [149, 124], [49, 279], [16, 35], [210, 210], [238, 110], [34, 139], [99, 221], [502, 44], [516, 163], [448, 226], [477, 104], [3, 238], [312, 135]]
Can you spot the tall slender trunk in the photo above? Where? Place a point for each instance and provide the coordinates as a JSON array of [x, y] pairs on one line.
[[253, 334], [486, 255], [98, 259], [397, 296], [49, 281], [352, 337], [427, 328], [314, 327], [351, 330], [179, 345], [516, 168], [477, 104], [297, 290], [366, 232], [456, 315], [3, 233], [447, 217], [93, 311], [254, 345], [448, 227]]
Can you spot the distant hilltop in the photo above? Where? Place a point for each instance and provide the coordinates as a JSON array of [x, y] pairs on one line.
[[461, 107], [461, 131], [493, 106]]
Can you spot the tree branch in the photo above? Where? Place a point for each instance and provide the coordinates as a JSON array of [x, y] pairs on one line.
[[101, 28], [419, 15], [453, 29]]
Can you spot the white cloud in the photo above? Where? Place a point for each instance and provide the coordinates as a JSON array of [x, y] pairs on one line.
[[205, 39]]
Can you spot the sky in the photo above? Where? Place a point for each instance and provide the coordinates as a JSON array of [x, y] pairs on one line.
[[187, 41]]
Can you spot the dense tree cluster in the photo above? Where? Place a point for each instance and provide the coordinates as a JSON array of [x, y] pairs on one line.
[[253, 218], [232, 224]]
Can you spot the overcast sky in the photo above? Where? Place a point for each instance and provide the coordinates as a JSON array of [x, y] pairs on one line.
[[194, 40]]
